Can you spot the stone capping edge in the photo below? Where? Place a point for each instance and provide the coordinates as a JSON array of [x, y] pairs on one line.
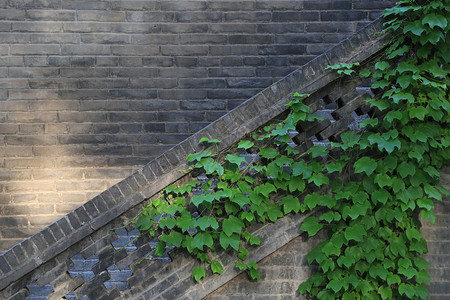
[[171, 165]]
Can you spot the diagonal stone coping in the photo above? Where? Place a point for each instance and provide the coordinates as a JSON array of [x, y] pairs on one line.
[[171, 165]]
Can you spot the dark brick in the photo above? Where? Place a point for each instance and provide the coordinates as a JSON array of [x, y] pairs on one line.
[[343, 15]]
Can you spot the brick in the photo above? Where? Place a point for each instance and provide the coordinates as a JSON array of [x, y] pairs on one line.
[[86, 27], [343, 16], [30, 140], [183, 73], [80, 117], [203, 39], [328, 5], [231, 5], [295, 16], [181, 116], [132, 116], [183, 50], [203, 105], [135, 28], [30, 26], [150, 16], [183, 6], [35, 49], [154, 127], [13, 210], [107, 150], [135, 50], [231, 93], [232, 72], [6, 175], [81, 139], [377, 4], [179, 94], [17, 221], [201, 83], [282, 49], [50, 15], [101, 16], [232, 28], [85, 49], [198, 17]]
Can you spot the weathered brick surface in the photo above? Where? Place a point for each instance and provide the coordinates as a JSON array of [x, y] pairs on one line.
[[92, 90]]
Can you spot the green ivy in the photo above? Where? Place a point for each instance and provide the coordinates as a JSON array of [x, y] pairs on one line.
[[371, 195]]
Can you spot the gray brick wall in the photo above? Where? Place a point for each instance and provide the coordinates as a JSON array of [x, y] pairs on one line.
[[91, 90]]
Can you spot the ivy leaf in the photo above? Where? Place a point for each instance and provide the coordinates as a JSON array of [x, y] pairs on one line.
[[167, 222], [336, 284], [380, 196], [210, 166], [253, 272], [274, 212], [216, 267], [254, 240], [268, 153], [406, 169], [435, 20], [377, 270], [355, 232], [241, 266], [232, 241], [145, 222], [383, 180], [385, 292], [245, 145], [365, 165], [296, 184], [426, 203], [185, 221], [432, 192], [421, 263], [382, 65], [240, 200], [418, 112], [319, 179], [331, 249], [205, 222], [243, 253], [198, 273], [311, 225], [199, 156], [290, 203], [415, 28], [231, 225], [404, 80], [365, 73], [316, 151], [266, 189], [160, 248], [173, 239], [335, 166], [423, 277], [397, 246], [202, 239], [235, 159], [406, 289], [393, 279]]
